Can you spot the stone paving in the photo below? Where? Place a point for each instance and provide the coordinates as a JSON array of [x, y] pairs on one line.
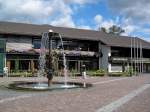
[[104, 91], [140, 103]]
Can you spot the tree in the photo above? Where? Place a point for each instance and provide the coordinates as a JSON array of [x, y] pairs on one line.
[[114, 29], [103, 29]]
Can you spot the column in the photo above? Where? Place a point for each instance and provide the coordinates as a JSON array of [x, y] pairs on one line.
[[103, 61], [29, 65], [16, 65], [32, 66], [8, 63], [100, 58]]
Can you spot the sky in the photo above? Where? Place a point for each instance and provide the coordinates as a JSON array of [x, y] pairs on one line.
[[132, 15]]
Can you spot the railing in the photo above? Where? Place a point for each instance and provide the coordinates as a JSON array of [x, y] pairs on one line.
[[78, 53], [145, 60]]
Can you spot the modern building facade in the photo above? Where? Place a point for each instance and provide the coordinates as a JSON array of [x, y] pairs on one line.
[[20, 47]]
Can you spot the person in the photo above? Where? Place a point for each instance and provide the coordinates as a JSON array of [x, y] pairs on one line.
[[5, 71]]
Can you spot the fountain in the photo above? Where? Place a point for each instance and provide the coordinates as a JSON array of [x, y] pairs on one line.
[[46, 68]]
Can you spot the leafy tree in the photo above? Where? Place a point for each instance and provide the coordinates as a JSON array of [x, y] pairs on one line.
[[114, 29], [103, 29]]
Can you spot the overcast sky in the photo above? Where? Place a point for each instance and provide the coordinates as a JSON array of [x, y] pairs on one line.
[[131, 15]]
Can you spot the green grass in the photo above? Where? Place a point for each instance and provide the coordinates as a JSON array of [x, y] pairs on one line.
[[20, 74]]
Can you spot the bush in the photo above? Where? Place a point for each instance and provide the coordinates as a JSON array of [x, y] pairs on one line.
[[129, 71], [20, 74], [115, 74], [119, 74], [99, 72]]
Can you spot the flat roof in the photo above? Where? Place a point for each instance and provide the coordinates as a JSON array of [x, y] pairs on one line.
[[71, 33]]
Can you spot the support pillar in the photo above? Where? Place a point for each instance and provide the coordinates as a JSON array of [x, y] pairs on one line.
[[109, 67], [8, 63], [79, 65], [123, 67], [29, 66], [32, 66], [16, 65]]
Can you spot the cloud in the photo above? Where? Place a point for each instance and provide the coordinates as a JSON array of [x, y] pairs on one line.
[[135, 16], [81, 1], [131, 29], [25, 10], [137, 10], [84, 27], [107, 24], [55, 12], [36, 11], [101, 22], [132, 16], [65, 22], [98, 18]]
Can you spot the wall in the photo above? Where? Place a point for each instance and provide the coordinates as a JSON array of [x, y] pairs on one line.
[[103, 61]]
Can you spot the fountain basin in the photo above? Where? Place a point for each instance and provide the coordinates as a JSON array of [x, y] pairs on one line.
[[43, 86]]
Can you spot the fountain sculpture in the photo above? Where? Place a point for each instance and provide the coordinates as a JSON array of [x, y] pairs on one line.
[[46, 68]]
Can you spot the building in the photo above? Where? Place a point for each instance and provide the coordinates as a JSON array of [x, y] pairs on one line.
[[20, 43]]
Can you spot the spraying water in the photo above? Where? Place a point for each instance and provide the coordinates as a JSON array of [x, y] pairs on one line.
[[64, 62], [42, 57]]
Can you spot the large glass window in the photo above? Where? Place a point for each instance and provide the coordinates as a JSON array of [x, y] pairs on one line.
[[79, 45], [37, 43], [24, 64], [120, 52]]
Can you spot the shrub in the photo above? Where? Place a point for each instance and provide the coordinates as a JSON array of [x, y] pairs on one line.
[[20, 74], [129, 71], [115, 74], [99, 72], [119, 74]]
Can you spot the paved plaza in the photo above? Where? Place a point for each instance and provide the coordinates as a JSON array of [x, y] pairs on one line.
[[108, 94]]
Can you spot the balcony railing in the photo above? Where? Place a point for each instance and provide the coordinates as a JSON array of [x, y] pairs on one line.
[[127, 59], [78, 53]]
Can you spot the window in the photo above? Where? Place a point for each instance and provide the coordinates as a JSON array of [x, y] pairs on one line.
[[36, 43]]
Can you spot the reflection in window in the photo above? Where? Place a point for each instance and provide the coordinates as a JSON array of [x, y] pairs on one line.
[[37, 44]]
